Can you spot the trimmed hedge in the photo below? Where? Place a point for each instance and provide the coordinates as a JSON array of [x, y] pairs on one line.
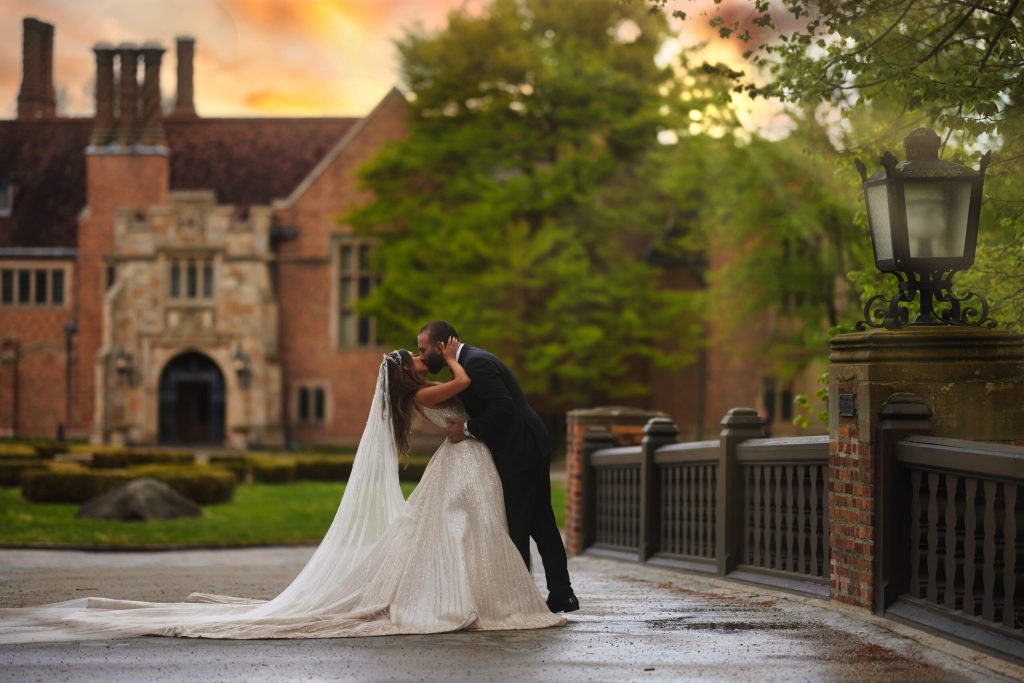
[[323, 467], [410, 468], [272, 469], [11, 469], [202, 483], [138, 456], [77, 484], [69, 484], [238, 465], [16, 450]]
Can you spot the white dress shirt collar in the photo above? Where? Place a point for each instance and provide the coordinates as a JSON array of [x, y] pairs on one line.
[[458, 353]]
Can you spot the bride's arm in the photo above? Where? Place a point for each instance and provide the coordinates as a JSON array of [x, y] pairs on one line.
[[436, 394]]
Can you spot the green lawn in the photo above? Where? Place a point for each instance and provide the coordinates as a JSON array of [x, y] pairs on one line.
[[258, 514]]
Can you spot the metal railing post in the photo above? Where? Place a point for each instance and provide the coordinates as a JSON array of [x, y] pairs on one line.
[[658, 432], [738, 425], [902, 415], [595, 439]]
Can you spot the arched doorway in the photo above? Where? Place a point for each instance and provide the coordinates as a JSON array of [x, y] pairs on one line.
[[191, 401]]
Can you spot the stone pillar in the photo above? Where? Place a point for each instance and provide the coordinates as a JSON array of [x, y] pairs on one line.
[[738, 425], [36, 98], [973, 381], [128, 95], [152, 118], [104, 122], [183, 104], [626, 427]]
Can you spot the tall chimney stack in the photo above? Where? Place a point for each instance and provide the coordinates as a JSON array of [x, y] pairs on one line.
[[36, 98], [103, 124], [184, 107], [152, 118], [128, 94]]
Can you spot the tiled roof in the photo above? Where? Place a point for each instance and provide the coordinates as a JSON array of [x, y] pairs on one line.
[[249, 161], [46, 162], [246, 161]]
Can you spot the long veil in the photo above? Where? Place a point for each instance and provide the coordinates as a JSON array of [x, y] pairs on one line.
[[372, 500]]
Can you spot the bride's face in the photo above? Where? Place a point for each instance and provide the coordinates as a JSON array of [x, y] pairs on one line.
[[419, 367]]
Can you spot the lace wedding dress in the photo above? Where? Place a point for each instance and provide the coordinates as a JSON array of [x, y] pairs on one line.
[[441, 561]]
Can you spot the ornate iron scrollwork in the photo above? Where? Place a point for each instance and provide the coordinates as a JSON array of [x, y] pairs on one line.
[[939, 305]]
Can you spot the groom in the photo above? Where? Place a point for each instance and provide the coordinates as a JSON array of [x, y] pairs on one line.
[[521, 447]]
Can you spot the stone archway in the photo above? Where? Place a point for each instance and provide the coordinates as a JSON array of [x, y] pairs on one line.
[[191, 401]]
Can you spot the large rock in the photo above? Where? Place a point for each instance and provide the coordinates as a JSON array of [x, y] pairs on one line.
[[141, 500]]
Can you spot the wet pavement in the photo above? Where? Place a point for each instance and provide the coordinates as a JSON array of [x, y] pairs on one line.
[[637, 624]]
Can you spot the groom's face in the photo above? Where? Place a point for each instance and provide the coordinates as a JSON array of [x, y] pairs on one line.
[[430, 352]]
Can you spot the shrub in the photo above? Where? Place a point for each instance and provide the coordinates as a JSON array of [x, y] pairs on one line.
[[46, 449], [12, 469], [323, 467], [272, 469], [238, 465], [141, 456], [16, 450], [204, 484], [410, 468], [68, 483], [77, 484]]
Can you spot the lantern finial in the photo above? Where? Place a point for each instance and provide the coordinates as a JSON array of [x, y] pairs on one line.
[[922, 144]]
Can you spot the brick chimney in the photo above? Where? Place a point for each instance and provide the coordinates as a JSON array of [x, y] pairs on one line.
[[103, 124], [152, 124], [128, 94], [184, 107], [36, 99]]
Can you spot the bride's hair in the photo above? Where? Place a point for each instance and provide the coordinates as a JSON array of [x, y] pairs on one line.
[[403, 383]]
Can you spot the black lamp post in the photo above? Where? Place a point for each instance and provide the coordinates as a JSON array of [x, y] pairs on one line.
[[924, 227], [242, 366], [124, 365]]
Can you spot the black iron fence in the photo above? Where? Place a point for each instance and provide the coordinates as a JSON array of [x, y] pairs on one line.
[[743, 505], [952, 520]]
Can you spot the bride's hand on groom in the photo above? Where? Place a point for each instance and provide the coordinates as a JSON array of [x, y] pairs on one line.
[[456, 430], [451, 348]]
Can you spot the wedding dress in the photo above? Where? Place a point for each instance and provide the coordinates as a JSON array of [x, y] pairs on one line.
[[441, 561]]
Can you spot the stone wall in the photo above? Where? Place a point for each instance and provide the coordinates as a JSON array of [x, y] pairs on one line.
[[145, 320]]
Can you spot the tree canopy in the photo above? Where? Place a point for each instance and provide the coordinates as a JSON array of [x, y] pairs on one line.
[[516, 205], [878, 68]]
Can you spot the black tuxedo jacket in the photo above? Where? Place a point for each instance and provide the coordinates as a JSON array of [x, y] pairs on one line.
[[500, 416]]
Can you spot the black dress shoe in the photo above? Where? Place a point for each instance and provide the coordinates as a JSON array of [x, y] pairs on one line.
[[563, 603]]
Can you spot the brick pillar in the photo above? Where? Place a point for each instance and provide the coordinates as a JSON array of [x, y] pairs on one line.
[[152, 119], [128, 95], [36, 97], [103, 124], [973, 380], [184, 107], [626, 427]]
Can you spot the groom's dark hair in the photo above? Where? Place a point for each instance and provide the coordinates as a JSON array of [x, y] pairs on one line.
[[439, 331]]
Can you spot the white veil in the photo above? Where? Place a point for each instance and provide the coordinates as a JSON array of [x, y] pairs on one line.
[[372, 500]]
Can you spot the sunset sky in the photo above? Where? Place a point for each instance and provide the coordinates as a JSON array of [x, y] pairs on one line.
[[253, 57]]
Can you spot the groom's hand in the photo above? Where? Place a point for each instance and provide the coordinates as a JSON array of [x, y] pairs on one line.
[[456, 430]]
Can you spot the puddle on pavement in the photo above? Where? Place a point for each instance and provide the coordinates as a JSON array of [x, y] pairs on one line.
[[686, 623]]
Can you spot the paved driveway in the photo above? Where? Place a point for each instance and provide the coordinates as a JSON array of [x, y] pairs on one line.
[[638, 624]]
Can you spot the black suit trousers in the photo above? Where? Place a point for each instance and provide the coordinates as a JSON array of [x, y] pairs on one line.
[[529, 513]]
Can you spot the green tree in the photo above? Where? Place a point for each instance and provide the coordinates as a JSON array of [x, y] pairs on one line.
[[891, 65], [517, 205]]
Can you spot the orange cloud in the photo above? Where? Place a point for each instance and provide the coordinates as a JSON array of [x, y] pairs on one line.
[[276, 101]]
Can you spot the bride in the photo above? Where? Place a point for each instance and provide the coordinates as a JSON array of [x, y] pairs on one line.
[[441, 561]]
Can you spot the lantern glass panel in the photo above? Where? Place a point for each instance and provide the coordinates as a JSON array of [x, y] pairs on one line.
[[937, 218], [877, 198]]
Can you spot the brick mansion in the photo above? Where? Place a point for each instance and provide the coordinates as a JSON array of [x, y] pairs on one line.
[[172, 278]]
